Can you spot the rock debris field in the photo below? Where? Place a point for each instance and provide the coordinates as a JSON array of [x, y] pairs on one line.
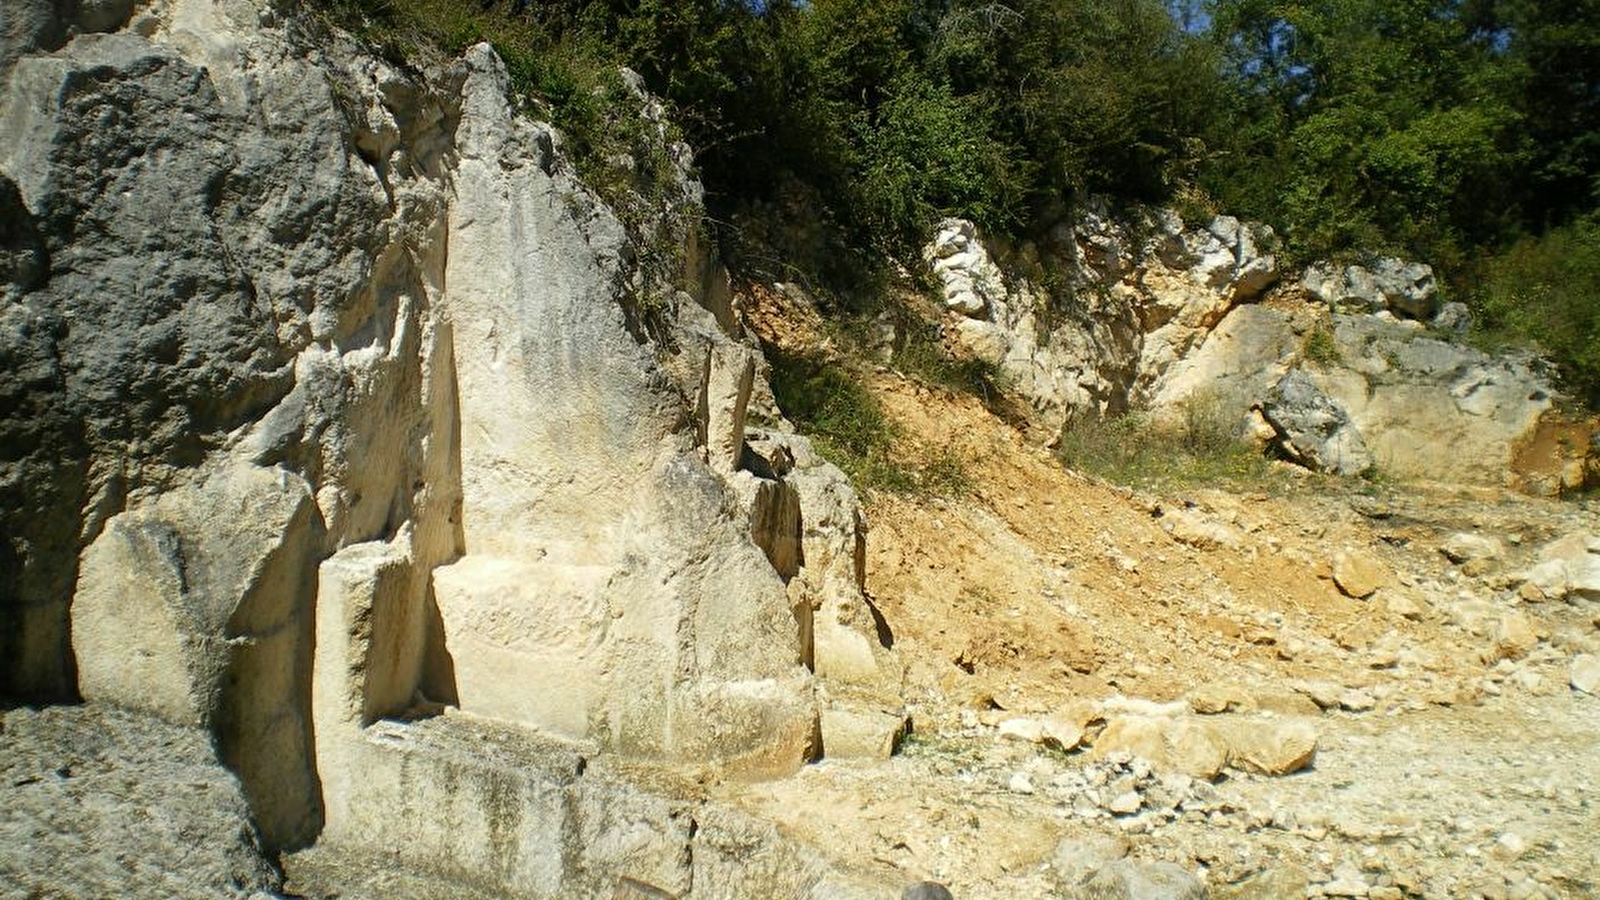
[[1328, 689]]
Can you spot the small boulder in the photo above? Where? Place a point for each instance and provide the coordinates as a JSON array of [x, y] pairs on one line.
[[1270, 746], [1168, 744], [1061, 732], [1453, 318], [1077, 859], [1314, 429], [1127, 879], [1359, 574], [1325, 694], [1585, 675], [1276, 883], [851, 733], [1569, 567], [1199, 531], [1220, 697], [1406, 605], [1463, 548], [1514, 635]]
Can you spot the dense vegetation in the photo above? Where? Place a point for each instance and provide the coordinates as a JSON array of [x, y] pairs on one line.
[[831, 133]]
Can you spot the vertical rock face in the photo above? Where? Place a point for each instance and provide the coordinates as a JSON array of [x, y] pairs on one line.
[[1145, 296], [322, 406]]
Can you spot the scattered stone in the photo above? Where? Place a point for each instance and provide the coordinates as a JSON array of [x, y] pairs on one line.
[[1585, 674], [1359, 574], [1126, 803], [1347, 882], [1509, 846], [1463, 548], [1405, 605], [1020, 783]]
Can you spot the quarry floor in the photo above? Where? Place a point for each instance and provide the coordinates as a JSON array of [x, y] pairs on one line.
[[1446, 766]]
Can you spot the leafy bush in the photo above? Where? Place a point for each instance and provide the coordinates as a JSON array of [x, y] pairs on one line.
[[1547, 290]]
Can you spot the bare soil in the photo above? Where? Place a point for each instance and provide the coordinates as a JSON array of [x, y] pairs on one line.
[[1454, 774]]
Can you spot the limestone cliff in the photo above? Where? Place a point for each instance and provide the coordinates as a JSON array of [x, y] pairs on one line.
[[327, 401], [1352, 369]]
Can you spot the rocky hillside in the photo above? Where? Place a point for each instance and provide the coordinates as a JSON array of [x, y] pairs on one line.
[[386, 514]]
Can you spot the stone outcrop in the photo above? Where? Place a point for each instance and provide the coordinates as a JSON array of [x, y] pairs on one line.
[[1384, 284], [334, 399], [100, 802], [1167, 320], [1145, 294]]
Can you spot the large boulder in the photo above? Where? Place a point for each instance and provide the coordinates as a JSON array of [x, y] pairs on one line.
[[1313, 428]]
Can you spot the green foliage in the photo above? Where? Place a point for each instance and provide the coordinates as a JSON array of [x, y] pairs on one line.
[[1201, 446], [926, 154], [1548, 289], [1367, 125], [829, 402], [831, 134], [1319, 345]]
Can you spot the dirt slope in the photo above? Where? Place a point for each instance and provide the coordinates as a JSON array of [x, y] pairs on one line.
[[1453, 759]]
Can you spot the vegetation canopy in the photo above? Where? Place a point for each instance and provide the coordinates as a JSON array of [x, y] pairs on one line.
[[831, 134]]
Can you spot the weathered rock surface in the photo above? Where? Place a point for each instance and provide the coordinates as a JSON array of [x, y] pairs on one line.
[[1313, 428], [1146, 303], [99, 802], [332, 397], [1384, 284], [1168, 323]]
